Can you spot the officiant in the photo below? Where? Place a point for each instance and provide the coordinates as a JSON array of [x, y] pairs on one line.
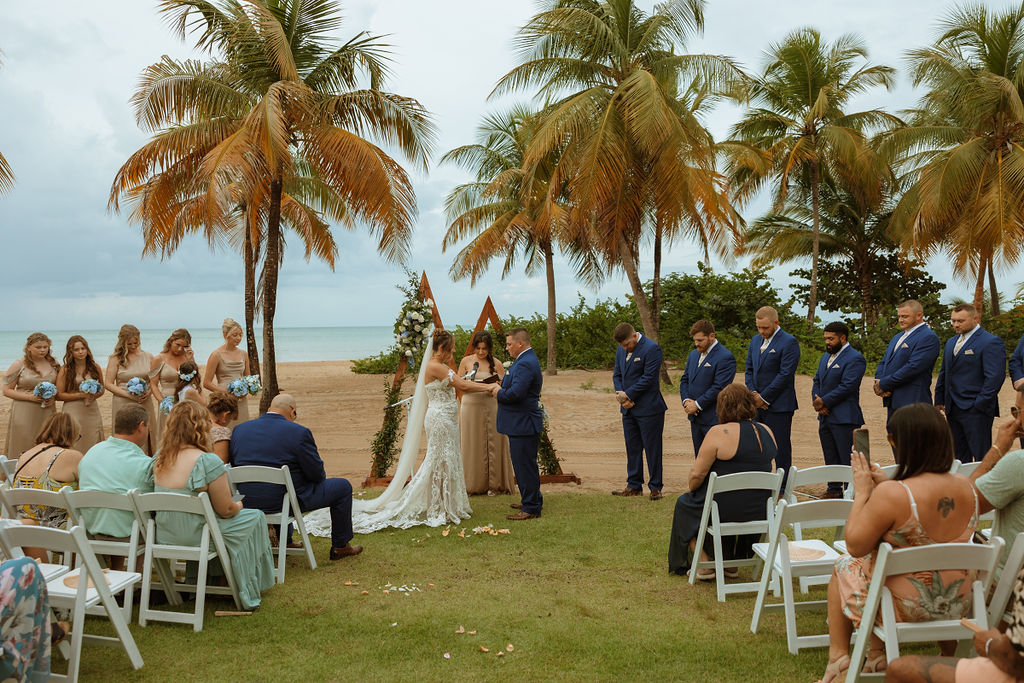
[[485, 455]]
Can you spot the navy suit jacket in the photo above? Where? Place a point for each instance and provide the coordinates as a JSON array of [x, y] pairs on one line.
[[1017, 361], [772, 373], [518, 412], [839, 387], [907, 371], [972, 378], [703, 383], [273, 440], [640, 378]]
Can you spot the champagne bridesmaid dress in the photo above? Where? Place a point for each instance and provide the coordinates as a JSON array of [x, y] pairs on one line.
[[90, 422], [168, 378], [228, 370], [140, 367], [485, 454], [27, 417]]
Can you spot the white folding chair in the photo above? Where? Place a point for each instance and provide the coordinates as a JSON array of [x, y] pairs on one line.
[[8, 468], [1007, 580], [711, 523], [809, 476], [13, 498], [94, 587], [780, 565], [926, 558], [290, 511], [50, 570], [965, 468], [148, 504]]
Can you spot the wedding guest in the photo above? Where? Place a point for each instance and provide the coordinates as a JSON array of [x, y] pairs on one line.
[[79, 366], [188, 386], [772, 360], [737, 444], [129, 362], [904, 375], [226, 363], [999, 482], [185, 464], [835, 395], [166, 365], [637, 382], [223, 409], [967, 390], [28, 411], [485, 454], [25, 636], [275, 439], [1016, 368], [922, 503], [709, 368]]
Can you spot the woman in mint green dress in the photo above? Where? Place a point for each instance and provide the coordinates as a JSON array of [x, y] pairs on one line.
[[185, 464]]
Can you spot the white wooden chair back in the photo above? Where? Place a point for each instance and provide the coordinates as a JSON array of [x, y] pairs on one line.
[[997, 604], [811, 476], [8, 468]]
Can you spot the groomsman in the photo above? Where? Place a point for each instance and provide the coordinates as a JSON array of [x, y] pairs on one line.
[[710, 367], [973, 370], [772, 359], [836, 396], [637, 382], [1017, 376], [904, 375]]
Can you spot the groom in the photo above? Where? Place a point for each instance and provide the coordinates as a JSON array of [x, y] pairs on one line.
[[519, 417]]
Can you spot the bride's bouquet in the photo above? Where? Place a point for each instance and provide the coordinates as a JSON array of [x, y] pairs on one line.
[[136, 386], [45, 391], [90, 386]]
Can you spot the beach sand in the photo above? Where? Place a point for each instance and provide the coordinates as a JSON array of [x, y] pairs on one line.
[[344, 410]]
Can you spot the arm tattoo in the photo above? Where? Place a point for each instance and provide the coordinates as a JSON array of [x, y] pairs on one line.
[[946, 505]]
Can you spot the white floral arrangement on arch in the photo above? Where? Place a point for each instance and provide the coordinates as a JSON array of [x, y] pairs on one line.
[[411, 328]]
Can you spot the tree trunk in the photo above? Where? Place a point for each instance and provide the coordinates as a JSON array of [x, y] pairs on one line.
[[629, 264], [249, 255], [993, 292], [549, 269], [659, 233], [979, 285], [271, 263], [812, 296], [868, 309]]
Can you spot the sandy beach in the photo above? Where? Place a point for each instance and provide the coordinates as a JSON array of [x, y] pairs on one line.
[[344, 410]]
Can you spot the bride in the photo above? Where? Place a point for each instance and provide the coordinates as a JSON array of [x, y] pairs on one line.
[[436, 495]]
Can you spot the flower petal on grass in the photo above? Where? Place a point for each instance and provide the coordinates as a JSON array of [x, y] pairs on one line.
[[499, 653], [447, 655], [509, 647], [461, 629], [484, 649], [446, 531], [471, 633], [366, 592]]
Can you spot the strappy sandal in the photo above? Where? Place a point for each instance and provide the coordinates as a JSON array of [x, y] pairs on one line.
[[58, 631], [875, 665], [836, 671]]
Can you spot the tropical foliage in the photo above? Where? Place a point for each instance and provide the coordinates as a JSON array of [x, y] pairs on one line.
[[6, 174]]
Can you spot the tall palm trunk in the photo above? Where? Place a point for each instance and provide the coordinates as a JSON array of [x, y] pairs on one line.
[[249, 255], [979, 284], [868, 309], [659, 234], [271, 263], [812, 297], [993, 292], [629, 264], [549, 270]]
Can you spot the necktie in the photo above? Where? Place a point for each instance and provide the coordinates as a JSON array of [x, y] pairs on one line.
[[831, 359], [629, 356], [764, 345], [959, 344], [700, 361], [903, 339]]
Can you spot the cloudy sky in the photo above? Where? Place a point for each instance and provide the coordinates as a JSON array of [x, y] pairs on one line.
[[66, 126]]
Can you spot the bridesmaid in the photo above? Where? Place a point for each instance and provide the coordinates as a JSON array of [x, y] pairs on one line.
[[28, 412], [128, 361], [79, 366], [485, 454], [177, 350], [226, 363]]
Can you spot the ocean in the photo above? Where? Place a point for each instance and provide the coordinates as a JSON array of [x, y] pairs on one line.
[[293, 344]]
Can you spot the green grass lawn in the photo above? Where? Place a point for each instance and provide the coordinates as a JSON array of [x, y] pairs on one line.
[[581, 594]]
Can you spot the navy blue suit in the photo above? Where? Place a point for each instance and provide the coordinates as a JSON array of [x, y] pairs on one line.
[[273, 440], [520, 418], [702, 383], [907, 371], [1017, 367], [968, 390], [643, 424], [838, 386], [772, 374]]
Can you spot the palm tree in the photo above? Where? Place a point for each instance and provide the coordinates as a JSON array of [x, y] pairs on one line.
[[6, 174], [796, 130], [506, 213], [630, 153], [280, 95], [963, 150]]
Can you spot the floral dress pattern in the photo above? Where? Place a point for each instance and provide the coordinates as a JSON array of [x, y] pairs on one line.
[[922, 596], [24, 622]]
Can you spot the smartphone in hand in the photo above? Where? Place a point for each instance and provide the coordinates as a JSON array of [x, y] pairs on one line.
[[862, 444]]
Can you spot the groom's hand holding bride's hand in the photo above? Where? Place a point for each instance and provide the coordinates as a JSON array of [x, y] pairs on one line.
[[494, 389]]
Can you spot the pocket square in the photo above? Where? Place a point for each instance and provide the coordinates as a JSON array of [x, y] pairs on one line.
[[771, 350], [904, 346], [636, 360], [707, 365], [969, 352]]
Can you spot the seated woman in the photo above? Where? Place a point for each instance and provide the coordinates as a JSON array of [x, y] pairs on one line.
[[923, 504], [185, 465], [25, 635], [737, 444], [223, 409]]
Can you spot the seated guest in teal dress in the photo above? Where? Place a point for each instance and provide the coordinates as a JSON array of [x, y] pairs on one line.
[[184, 464]]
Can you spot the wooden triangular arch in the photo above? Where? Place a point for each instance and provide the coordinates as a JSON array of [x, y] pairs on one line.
[[488, 314]]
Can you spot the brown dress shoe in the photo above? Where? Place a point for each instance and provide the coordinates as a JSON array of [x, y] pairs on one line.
[[516, 506], [628, 492], [656, 495], [520, 516], [348, 551]]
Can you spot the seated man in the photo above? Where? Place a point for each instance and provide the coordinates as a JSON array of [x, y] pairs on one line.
[[275, 439]]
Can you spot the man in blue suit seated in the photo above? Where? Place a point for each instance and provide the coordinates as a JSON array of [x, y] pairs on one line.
[[710, 367], [520, 418], [770, 373], [973, 370], [904, 375], [1017, 377], [836, 398], [637, 382], [275, 439]]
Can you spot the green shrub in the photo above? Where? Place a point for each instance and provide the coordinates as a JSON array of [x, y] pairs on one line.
[[384, 363]]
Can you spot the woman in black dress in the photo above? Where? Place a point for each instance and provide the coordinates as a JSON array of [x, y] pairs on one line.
[[737, 444]]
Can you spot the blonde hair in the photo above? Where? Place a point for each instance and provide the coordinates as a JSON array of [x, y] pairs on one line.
[[180, 333], [188, 424], [228, 325], [35, 338], [121, 348], [60, 429]]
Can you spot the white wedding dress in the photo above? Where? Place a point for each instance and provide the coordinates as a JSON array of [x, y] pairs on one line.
[[436, 495]]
